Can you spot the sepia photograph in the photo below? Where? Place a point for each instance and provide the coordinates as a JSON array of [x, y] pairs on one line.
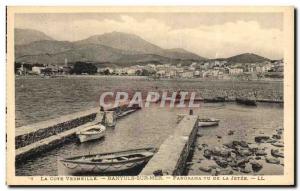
[[150, 95]]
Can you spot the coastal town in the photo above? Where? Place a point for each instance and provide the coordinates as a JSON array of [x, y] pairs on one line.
[[214, 69]]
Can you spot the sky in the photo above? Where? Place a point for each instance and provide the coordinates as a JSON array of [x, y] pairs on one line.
[[211, 35]]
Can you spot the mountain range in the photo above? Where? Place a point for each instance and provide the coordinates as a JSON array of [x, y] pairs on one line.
[[118, 48]]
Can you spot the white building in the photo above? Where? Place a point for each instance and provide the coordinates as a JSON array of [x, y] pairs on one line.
[[37, 69]]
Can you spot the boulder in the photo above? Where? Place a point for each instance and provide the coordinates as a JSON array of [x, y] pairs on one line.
[[216, 151], [230, 132], [229, 145], [260, 152], [241, 162], [278, 144], [272, 160], [207, 153], [243, 144], [256, 166], [158, 173], [247, 169], [224, 153], [205, 168], [276, 136], [222, 163], [277, 153], [225, 172], [261, 138], [244, 152]]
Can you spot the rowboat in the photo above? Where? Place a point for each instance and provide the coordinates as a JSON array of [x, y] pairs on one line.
[[91, 133], [108, 162], [208, 122]]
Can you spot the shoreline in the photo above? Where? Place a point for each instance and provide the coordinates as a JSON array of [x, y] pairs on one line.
[[148, 78]]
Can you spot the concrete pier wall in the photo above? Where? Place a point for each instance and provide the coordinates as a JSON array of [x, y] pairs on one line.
[[29, 134], [32, 139], [174, 151]]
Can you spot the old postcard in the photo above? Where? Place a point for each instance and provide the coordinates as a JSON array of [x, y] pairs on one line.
[[150, 96]]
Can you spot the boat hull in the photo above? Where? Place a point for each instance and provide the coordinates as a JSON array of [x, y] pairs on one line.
[[76, 169], [84, 138], [106, 163], [208, 124]]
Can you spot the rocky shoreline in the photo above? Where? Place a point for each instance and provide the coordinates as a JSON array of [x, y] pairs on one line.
[[237, 156]]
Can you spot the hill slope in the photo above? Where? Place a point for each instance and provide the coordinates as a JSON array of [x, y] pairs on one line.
[[26, 36], [112, 47], [246, 58]]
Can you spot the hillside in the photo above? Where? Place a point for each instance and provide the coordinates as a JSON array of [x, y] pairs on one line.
[[26, 36], [112, 47], [246, 58]]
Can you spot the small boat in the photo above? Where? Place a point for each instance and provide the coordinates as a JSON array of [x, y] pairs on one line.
[[108, 162], [208, 122], [215, 99], [246, 101], [91, 133]]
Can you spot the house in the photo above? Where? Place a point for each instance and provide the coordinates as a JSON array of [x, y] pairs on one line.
[[37, 69], [235, 70]]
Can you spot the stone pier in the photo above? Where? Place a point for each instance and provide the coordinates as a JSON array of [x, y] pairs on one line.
[[35, 138], [173, 152]]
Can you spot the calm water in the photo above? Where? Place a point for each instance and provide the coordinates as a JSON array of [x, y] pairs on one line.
[[150, 126], [41, 99]]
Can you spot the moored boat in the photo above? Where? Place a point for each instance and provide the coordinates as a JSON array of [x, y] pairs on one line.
[[208, 122], [91, 133], [246, 101], [108, 162], [215, 99]]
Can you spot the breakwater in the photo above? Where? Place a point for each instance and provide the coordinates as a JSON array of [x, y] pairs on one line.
[[35, 138], [174, 151]]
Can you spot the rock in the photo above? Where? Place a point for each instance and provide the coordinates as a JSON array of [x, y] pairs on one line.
[[247, 169], [256, 166], [276, 136], [229, 145], [215, 172], [216, 151], [207, 153], [244, 152], [277, 153], [236, 143], [233, 154], [242, 162], [243, 144], [272, 160], [257, 158], [205, 168], [158, 173], [253, 148], [219, 136], [260, 138], [225, 172], [199, 147], [222, 163], [235, 168], [232, 164], [204, 145], [271, 141], [199, 135], [278, 144], [230, 132], [224, 153], [260, 152]]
